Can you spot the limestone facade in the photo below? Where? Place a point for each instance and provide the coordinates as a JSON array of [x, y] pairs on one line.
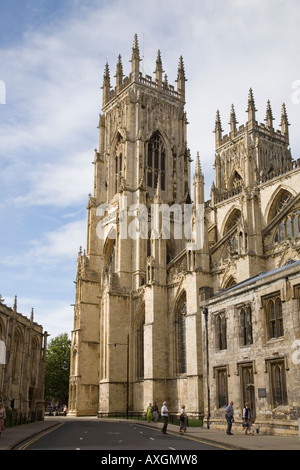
[[147, 297], [22, 366]]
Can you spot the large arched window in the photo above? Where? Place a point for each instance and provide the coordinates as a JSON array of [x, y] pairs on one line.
[[280, 201], [180, 335], [232, 219], [17, 355], [110, 253], [140, 346], [156, 162]]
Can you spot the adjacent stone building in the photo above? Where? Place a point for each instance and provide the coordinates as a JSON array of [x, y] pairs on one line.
[[164, 285], [22, 369]]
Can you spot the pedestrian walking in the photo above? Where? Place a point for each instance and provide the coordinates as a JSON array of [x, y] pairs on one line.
[[165, 416], [183, 420], [149, 413], [155, 412], [2, 418], [247, 420], [229, 417]]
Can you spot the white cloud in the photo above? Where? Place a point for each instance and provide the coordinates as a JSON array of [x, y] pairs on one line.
[[55, 317], [50, 250], [59, 184]]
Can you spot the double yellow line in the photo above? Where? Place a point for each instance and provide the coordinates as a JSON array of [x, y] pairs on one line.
[[37, 437]]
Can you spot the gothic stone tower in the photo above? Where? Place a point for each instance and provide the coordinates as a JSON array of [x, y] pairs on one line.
[[247, 159], [136, 290]]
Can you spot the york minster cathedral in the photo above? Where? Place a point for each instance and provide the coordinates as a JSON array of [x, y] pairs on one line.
[[159, 316]]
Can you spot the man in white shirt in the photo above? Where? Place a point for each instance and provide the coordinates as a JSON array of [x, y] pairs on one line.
[[165, 413]]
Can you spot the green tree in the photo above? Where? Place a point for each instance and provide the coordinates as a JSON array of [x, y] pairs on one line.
[[57, 369], [1, 299]]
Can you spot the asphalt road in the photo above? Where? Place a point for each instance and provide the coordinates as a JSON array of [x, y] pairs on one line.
[[112, 436]]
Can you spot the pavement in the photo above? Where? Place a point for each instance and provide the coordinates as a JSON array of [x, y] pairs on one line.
[[14, 436]]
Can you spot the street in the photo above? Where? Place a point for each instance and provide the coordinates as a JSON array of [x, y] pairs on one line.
[[112, 436]]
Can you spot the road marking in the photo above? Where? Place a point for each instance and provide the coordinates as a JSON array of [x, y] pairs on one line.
[[152, 438], [199, 440], [172, 448], [36, 438]]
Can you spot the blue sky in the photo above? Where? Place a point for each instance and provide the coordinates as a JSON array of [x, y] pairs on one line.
[[52, 58]]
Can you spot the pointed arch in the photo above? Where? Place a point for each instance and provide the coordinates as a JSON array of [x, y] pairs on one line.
[[109, 250], [229, 282], [180, 310], [231, 219], [280, 198]]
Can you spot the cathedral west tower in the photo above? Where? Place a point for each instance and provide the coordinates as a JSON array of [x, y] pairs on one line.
[[128, 347]]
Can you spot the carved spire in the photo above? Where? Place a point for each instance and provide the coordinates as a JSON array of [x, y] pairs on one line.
[[198, 170], [181, 78], [15, 308], [284, 122], [119, 74], [106, 76], [251, 107], [218, 129], [198, 182], [135, 59], [159, 70], [106, 84], [269, 116], [233, 121]]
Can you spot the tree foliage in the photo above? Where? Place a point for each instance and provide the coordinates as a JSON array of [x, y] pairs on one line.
[[57, 370]]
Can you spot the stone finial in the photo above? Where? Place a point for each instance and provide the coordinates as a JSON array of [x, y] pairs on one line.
[[233, 122], [119, 73], [284, 122], [106, 84], [251, 106], [269, 116], [135, 59], [181, 78], [159, 69], [218, 128], [198, 170], [15, 308]]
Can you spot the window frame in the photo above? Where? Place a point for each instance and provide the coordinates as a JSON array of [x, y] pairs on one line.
[[156, 162]]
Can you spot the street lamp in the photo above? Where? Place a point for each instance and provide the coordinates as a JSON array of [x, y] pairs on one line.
[[127, 375]]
